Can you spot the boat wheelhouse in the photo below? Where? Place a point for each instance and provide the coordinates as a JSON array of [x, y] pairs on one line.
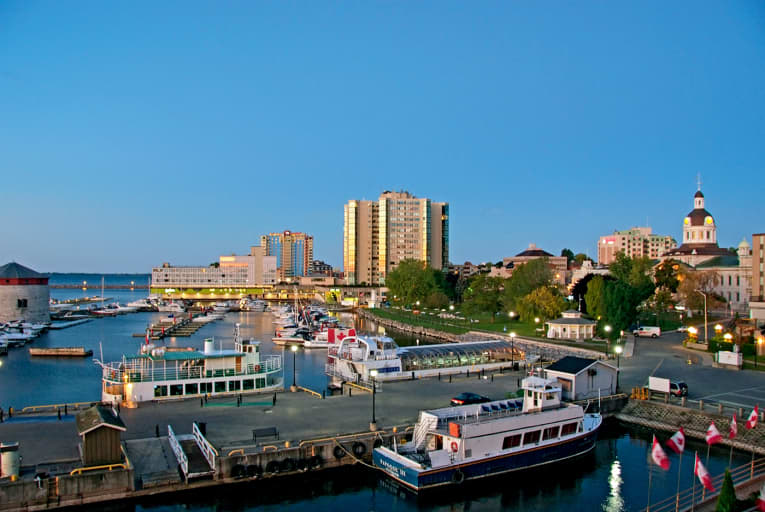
[[160, 373], [355, 357], [455, 444]]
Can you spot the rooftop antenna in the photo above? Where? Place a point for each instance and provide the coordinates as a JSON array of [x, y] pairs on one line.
[[698, 180]]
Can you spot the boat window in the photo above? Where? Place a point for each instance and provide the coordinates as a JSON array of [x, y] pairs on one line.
[[248, 384], [550, 433], [220, 386], [205, 387], [568, 428], [176, 389], [234, 385], [528, 393], [531, 437], [511, 441], [192, 389], [260, 383], [160, 391]]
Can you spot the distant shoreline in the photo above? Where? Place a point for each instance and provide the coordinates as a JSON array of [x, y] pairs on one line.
[[106, 287]]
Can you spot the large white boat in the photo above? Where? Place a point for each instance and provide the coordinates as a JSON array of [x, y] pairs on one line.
[[171, 307], [143, 304], [329, 338], [353, 359], [159, 373], [469, 442]]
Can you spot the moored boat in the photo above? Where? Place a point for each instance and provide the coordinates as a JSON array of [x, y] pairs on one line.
[[469, 442]]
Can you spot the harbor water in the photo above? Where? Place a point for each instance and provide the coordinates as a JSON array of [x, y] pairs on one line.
[[611, 478]]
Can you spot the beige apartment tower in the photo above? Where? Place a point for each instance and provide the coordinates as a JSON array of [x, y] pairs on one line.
[[635, 242], [378, 235]]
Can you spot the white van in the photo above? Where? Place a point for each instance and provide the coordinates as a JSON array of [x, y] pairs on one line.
[[653, 332]]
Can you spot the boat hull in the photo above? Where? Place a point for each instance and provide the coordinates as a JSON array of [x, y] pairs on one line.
[[457, 473]]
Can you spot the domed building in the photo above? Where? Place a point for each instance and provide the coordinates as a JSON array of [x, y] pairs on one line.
[[699, 236], [24, 294]]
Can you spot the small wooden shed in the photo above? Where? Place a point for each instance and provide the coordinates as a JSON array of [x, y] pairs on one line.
[[100, 428]]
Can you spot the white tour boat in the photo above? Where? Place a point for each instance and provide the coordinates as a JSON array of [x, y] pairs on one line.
[[171, 307], [469, 442], [159, 373]]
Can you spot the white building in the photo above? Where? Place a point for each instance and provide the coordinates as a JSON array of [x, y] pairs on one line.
[[571, 326], [233, 271], [581, 378]]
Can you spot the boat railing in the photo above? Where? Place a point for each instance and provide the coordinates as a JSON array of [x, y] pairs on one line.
[[443, 422], [129, 373]]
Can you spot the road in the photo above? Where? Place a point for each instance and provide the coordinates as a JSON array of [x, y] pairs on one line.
[[665, 357]]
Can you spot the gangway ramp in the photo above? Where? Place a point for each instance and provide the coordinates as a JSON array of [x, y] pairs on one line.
[[194, 453]]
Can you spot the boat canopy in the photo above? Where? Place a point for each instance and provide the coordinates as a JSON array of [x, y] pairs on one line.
[[425, 357]]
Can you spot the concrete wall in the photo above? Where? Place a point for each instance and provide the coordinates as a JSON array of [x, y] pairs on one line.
[[37, 296]]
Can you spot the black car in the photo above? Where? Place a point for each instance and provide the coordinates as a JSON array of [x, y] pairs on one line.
[[678, 389], [469, 398]]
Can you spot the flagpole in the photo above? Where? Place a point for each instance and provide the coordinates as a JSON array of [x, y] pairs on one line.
[[706, 465], [677, 496], [650, 474], [693, 487], [730, 457]]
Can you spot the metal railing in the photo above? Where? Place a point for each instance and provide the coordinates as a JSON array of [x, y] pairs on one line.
[[120, 374], [207, 449], [108, 467], [55, 407], [178, 451], [687, 497]]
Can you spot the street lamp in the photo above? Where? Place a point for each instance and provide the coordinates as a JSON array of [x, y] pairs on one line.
[[451, 307], [512, 349], [512, 314], [718, 329], [756, 349], [373, 425], [618, 350], [294, 349], [607, 328], [706, 325]]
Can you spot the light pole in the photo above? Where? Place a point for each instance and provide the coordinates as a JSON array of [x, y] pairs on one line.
[[757, 349], [294, 349], [618, 350], [512, 349], [373, 425], [706, 335], [607, 328]]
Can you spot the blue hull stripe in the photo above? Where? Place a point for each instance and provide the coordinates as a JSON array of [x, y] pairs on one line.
[[418, 479]]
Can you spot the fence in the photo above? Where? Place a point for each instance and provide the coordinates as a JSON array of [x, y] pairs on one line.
[[178, 451]]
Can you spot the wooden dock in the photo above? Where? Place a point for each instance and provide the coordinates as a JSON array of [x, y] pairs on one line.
[[181, 328], [60, 352]]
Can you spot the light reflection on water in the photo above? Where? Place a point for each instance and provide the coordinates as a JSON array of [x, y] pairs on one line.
[[615, 502]]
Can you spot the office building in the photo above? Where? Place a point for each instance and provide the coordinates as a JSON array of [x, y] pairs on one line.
[[293, 251], [378, 235], [635, 243]]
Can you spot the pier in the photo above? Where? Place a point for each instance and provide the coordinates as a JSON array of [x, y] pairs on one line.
[[177, 328], [60, 352]]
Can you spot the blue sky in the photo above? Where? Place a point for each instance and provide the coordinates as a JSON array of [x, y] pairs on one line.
[[133, 133]]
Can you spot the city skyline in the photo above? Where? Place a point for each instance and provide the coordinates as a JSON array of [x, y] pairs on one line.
[[183, 131]]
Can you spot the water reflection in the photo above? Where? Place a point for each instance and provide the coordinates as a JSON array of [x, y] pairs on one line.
[[615, 502]]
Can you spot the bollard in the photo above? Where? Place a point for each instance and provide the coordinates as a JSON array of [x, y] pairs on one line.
[[274, 399], [740, 412], [478, 375], [450, 378], [323, 394], [156, 430], [350, 391], [65, 408], [58, 411], [720, 408], [412, 375], [10, 412], [492, 377], [439, 376], [701, 405]]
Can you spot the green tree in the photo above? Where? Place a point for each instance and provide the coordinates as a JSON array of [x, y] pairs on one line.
[[483, 295], [662, 300], [693, 281], [543, 302], [410, 281], [621, 267], [525, 279], [568, 253], [437, 300], [595, 297], [665, 275], [726, 501], [581, 258], [621, 301]]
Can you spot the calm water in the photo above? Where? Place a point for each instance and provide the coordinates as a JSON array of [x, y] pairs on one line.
[[613, 478]]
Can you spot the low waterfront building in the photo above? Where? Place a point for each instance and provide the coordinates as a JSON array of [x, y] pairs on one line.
[[571, 326], [24, 294], [635, 243], [100, 428], [581, 378]]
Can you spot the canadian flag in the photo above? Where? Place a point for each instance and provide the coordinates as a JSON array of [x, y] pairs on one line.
[[713, 435], [676, 443], [752, 421], [761, 500], [700, 471], [658, 455], [733, 427]]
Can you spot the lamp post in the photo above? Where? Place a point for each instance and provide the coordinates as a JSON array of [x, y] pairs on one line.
[[718, 329], [706, 325], [294, 349], [757, 349], [373, 424], [618, 350], [512, 349], [607, 328]]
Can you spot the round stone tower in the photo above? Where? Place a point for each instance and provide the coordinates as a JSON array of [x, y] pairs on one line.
[[24, 294]]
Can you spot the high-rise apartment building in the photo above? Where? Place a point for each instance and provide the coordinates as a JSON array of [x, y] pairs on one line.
[[378, 235], [757, 299], [635, 242], [293, 251]]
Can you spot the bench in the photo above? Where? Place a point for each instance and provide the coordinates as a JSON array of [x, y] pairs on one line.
[[265, 432]]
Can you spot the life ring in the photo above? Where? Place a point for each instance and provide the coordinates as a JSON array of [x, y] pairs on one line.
[[454, 446], [359, 449], [458, 477], [257, 368], [338, 452]]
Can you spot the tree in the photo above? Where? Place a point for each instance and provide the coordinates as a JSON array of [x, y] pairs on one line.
[[621, 301], [568, 253], [483, 295], [693, 281], [621, 267], [662, 300], [543, 302], [410, 281], [581, 258], [726, 501], [525, 279], [595, 297], [665, 275], [436, 300]]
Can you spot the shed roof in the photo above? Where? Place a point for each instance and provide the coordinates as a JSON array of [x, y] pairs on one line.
[[13, 270], [98, 416], [571, 364]]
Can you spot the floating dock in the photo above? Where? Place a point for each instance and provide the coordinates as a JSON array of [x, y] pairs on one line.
[[60, 352]]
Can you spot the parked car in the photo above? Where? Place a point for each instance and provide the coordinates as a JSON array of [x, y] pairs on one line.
[[678, 389], [645, 330], [682, 328], [469, 398]]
